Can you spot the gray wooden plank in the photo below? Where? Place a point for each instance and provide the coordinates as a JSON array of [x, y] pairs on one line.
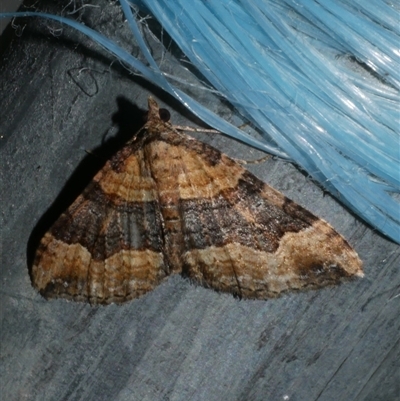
[[180, 341]]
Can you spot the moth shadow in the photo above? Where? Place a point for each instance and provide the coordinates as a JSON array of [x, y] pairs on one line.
[[129, 118]]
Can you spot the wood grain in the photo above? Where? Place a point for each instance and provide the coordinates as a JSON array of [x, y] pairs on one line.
[[180, 341]]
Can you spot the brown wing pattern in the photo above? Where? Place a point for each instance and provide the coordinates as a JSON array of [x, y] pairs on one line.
[[107, 246], [239, 235], [166, 204]]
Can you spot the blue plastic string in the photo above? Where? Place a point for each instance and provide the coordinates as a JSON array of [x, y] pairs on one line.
[[156, 77], [343, 131], [290, 68]]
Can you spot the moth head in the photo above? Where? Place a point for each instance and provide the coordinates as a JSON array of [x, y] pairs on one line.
[[155, 113]]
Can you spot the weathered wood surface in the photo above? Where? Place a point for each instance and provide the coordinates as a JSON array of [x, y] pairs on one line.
[[179, 342]]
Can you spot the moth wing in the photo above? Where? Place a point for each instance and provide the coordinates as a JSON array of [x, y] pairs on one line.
[[106, 246], [244, 237]]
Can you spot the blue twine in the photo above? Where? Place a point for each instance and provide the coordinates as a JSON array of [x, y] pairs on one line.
[[277, 63]]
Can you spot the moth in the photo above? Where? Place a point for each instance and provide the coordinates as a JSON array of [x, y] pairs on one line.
[[168, 204]]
